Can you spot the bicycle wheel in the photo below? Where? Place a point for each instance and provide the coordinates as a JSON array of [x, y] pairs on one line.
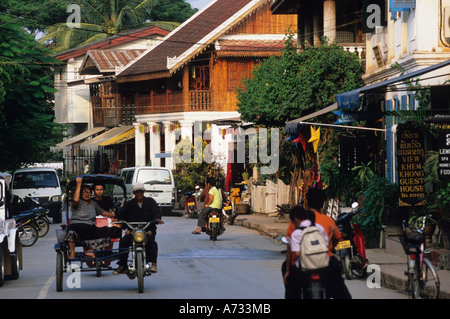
[[429, 281], [28, 235]]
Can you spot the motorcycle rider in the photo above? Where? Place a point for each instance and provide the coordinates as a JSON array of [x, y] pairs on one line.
[[315, 198], [140, 209], [213, 201], [336, 288]]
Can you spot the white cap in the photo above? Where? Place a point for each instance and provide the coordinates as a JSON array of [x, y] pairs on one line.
[[138, 187]]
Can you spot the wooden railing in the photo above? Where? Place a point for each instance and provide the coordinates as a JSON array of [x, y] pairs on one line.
[[200, 100]]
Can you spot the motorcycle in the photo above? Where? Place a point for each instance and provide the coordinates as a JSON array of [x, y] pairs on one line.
[[191, 204], [29, 204], [228, 212], [27, 228], [138, 268], [351, 251], [214, 223]]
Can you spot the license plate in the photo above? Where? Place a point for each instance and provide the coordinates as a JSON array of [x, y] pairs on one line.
[[343, 244], [214, 220], [227, 208], [153, 194], [191, 204]]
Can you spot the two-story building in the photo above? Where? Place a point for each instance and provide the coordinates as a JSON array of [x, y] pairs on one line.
[[404, 40], [186, 85], [73, 98]]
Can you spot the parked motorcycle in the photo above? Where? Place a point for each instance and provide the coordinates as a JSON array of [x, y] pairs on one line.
[[214, 223], [27, 228], [228, 212], [351, 251], [191, 204]]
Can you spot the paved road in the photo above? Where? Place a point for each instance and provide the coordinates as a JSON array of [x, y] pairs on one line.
[[242, 264]]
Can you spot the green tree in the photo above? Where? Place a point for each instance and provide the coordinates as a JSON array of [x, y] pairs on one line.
[[27, 127], [172, 10], [101, 19], [297, 83], [34, 15]]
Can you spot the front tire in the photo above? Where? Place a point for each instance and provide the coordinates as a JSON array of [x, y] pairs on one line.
[[140, 270]]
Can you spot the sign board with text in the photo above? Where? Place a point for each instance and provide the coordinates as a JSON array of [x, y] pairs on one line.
[[444, 155], [410, 159]]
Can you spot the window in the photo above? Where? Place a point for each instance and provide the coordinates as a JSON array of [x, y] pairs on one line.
[[237, 71], [400, 5]]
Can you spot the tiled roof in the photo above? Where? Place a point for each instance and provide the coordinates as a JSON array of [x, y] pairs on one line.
[[105, 61], [193, 36], [241, 47], [110, 42]]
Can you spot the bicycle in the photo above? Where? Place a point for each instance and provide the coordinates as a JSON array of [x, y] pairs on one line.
[[423, 280]]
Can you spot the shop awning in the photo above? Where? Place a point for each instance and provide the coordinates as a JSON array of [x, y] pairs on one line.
[[128, 135], [291, 126], [108, 138], [350, 100], [79, 137]]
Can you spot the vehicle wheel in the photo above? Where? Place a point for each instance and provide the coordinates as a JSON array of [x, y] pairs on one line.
[[28, 235], [140, 270], [2, 267], [231, 220], [14, 260], [44, 227], [430, 284], [213, 236], [346, 267], [59, 271], [414, 286]]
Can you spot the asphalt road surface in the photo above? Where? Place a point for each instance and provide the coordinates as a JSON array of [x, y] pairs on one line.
[[241, 265]]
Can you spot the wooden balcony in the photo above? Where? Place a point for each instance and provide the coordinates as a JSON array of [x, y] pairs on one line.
[[198, 100]]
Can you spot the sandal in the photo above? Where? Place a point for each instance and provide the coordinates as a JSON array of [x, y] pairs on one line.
[[196, 232]]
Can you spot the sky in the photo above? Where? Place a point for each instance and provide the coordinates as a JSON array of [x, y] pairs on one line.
[[199, 4]]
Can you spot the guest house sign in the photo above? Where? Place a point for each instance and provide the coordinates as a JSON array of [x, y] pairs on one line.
[[410, 160]]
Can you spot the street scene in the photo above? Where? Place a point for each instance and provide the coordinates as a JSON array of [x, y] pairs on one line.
[[253, 150], [243, 264]]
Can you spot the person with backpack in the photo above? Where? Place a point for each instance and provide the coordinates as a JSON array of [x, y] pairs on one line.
[[336, 288], [309, 246]]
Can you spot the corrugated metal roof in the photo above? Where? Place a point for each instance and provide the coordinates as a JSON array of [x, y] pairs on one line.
[[106, 61]]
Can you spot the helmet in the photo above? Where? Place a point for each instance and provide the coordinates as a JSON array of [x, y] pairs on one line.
[[138, 187]]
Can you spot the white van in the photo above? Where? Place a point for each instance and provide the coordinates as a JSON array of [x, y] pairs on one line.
[[42, 183], [158, 182]]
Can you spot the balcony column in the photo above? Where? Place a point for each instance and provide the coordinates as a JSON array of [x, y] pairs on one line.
[[169, 143], [308, 23], [155, 144], [329, 19], [139, 149], [317, 22], [186, 128]]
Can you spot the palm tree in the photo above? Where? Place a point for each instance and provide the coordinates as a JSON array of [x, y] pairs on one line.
[[101, 19]]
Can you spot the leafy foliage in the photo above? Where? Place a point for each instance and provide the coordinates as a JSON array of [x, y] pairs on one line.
[[26, 90], [192, 169], [103, 18], [297, 83]]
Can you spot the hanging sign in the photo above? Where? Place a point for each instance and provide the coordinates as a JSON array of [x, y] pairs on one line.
[[410, 159], [444, 155], [346, 117]]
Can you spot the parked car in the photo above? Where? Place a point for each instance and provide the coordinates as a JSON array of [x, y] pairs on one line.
[[42, 183], [158, 181]]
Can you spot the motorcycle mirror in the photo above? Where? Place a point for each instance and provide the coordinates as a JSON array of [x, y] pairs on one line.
[[355, 205]]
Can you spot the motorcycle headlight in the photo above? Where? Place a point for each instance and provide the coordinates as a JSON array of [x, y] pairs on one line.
[[55, 198], [139, 236]]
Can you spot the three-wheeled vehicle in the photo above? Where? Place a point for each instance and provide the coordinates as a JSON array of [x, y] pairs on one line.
[[102, 257], [10, 246]]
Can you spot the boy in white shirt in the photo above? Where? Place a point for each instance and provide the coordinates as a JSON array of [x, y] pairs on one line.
[[302, 219]]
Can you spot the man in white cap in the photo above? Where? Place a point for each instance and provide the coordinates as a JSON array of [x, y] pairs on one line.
[[140, 209]]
